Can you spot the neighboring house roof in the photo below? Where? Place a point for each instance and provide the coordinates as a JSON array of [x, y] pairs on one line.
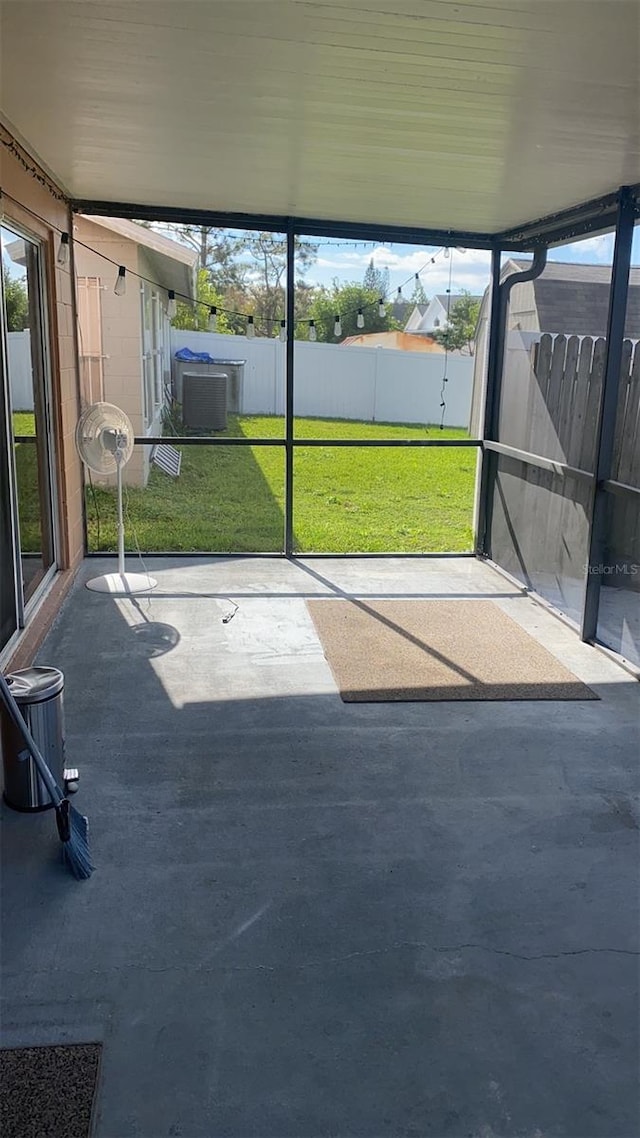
[[174, 265], [401, 341], [425, 317], [416, 316], [401, 309], [573, 299], [453, 298]]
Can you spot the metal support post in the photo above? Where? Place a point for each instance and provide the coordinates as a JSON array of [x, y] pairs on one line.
[[608, 408], [288, 427]]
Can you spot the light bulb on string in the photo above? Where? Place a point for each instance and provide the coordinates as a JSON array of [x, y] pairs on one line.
[[251, 328], [120, 286], [446, 252], [313, 332], [337, 325], [63, 249], [399, 295], [213, 318], [381, 308], [360, 319], [172, 307], [283, 331]]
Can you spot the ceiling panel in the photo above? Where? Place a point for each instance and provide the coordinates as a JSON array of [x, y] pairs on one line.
[[474, 116]]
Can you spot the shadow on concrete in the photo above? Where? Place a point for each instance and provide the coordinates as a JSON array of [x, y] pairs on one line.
[[311, 919]]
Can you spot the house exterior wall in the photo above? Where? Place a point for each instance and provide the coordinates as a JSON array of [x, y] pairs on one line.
[[22, 198], [121, 324], [136, 361], [435, 312], [401, 341], [522, 315]]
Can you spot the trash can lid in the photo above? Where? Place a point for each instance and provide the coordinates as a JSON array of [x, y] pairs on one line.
[[33, 685]]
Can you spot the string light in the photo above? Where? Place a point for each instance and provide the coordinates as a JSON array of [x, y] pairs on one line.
[[63, 253], [251, 328], [120, 286], [445, 380], [63, 249], [360, 319], [283, 331], [213, 318], [337, 326], [313, 332]]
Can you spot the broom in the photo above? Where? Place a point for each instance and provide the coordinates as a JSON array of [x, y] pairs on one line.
[[73, 827]]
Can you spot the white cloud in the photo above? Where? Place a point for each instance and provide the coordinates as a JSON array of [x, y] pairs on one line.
[[593, 250], [469, 270]]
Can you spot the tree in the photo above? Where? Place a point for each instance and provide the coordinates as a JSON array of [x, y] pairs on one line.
[[346, 301], [218, 252], [418, 295], [376, 280], [265, 288], [461, 325], [16, 301], [246, 271], [196, 316]]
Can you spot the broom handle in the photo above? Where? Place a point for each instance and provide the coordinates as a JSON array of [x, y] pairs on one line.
[[14, 714]]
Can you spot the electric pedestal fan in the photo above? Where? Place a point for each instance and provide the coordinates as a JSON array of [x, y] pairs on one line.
[[104, 438]]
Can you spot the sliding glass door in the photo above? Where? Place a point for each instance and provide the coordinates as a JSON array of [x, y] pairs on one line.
[[27, 532]]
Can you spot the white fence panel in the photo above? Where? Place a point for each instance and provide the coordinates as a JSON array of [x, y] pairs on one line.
[[331, 382], [19, 361], [334, 382], [263, 384], [409, 385]]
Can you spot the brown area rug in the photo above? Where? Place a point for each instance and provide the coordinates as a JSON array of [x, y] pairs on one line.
[[380, 651], [47, 1092]]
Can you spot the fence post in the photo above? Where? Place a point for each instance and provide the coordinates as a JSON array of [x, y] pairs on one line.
[[608, 408], [374, 413]]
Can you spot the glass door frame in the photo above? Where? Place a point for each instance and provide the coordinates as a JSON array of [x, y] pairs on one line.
[[24, 608]]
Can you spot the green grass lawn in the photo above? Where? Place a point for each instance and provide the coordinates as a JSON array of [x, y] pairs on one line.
[[27, 487], [231, 499]]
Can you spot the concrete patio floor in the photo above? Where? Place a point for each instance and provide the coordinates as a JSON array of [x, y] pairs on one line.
[[311, 918]]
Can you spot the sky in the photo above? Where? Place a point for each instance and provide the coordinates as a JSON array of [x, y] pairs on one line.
[[469, 268]]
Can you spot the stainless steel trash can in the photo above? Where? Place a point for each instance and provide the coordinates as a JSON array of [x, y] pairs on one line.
[[38, 694]]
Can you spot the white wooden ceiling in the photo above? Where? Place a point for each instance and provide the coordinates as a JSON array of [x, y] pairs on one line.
[[474, 115]]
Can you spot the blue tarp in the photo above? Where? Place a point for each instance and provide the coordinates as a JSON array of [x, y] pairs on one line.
[[187, 356], [194, 357]]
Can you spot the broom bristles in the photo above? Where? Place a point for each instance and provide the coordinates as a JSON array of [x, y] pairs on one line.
[[75, 851]]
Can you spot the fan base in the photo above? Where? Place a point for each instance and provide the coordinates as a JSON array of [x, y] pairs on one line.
[[122, 584]]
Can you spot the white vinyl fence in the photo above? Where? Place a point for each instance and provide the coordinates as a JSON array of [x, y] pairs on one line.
[[19, 361], [335, 382]]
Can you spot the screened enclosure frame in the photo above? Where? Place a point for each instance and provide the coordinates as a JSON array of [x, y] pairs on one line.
[[617, 211]]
